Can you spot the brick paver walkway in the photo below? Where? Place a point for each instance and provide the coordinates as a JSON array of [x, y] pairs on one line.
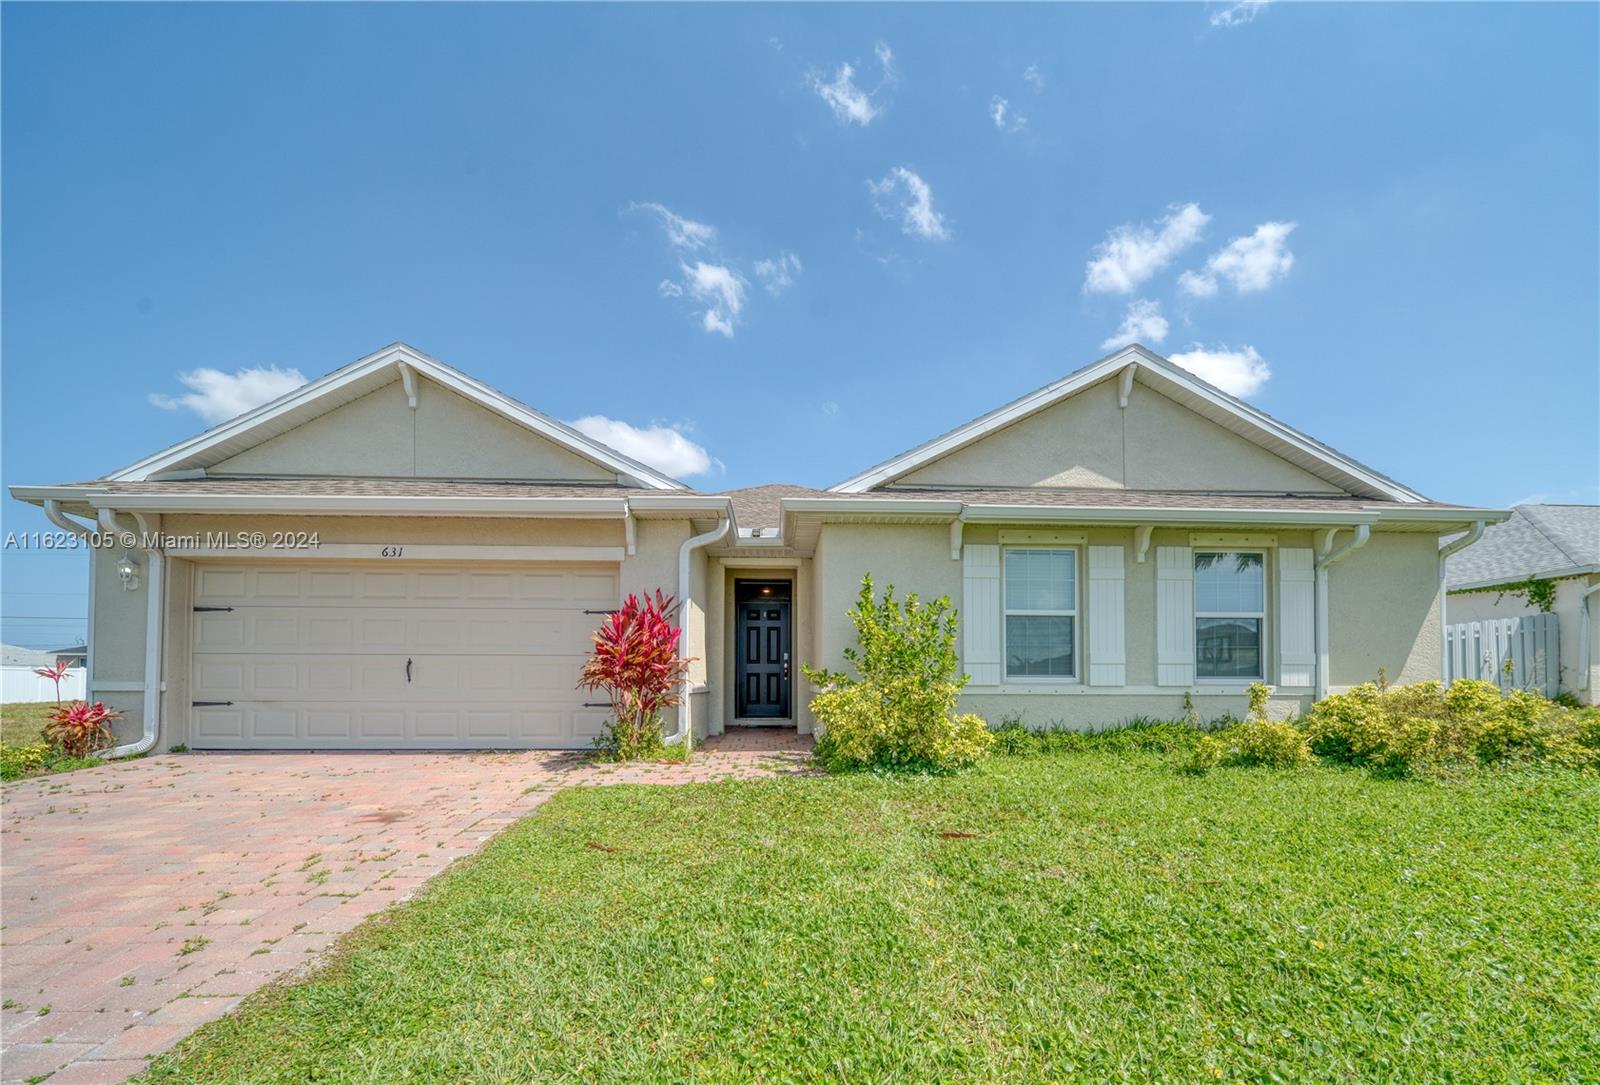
[[143, 899]]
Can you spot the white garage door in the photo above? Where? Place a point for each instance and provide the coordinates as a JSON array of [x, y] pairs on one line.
[[423, 656]]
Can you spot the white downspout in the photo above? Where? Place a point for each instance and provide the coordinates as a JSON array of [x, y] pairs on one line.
[[1583, 635], [1473, 535], [690, 545], [154, 622], [1363, 533]]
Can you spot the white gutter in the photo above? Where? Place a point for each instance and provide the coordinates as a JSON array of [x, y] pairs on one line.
[[1583, 634], [690, 545], [155, 613], [1473, 535], [1363, 533]]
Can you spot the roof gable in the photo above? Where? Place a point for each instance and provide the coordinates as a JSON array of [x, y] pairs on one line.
[[397, 370], [1307, 457]]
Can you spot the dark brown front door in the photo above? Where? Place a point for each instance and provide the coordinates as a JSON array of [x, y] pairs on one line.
[[762, 667]]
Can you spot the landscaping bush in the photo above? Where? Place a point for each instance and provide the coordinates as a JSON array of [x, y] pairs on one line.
[[1142, 734], [19, 761], [1405, 727], [636, 663], [899, 710], [1261, 742], [80, 729]]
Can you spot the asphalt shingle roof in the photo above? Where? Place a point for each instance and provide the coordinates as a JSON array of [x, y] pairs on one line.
[[1538, 540]]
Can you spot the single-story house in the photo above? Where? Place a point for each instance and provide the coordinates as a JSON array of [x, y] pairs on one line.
[[1558, 544], [398, 556]]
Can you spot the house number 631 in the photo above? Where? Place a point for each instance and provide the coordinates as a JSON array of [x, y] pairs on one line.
[[392, 551]]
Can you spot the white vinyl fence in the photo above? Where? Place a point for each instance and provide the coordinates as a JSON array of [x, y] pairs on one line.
[[1532, 643], [19, 683]]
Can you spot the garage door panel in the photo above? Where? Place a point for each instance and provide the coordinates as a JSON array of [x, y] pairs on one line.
[[316, 656]]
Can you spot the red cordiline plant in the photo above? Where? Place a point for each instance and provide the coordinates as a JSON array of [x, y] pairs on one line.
[[55, 674], [636, 662], [80, 729]]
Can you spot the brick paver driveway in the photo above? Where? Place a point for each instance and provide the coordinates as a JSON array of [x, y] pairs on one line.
[[143, 899]]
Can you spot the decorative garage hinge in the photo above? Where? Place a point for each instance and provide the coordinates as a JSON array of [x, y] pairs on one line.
[[600, 612], [209, 704], [210, 610]]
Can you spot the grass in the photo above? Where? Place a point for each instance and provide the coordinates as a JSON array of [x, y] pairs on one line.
[[21, 725], [1093, 916]]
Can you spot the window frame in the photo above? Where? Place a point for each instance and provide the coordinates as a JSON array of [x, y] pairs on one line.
[[1076, 614], [1266, 608]]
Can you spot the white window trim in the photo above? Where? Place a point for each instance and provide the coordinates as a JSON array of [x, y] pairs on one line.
[[1266, 607], [1076, 614]]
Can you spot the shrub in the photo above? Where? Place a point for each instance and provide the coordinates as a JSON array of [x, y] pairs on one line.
[[1142, 735], [18, 761], [1404, 727], [80, 729], [899, 710], [1260, 742], [636, 663], [1205, 754]]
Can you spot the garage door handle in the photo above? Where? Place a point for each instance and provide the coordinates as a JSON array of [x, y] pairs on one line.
[[408, 670], [209, 704]]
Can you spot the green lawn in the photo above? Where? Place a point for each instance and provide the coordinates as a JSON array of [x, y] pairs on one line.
[[1111, 920], [20, 725]]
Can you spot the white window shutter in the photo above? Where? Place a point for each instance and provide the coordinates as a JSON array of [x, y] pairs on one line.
[[1174, 616], [1297, 635], [980, 613], [1108, 652]]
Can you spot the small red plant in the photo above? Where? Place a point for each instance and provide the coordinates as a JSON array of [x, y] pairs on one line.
[[55, 674], [80, 729], [636, 663]]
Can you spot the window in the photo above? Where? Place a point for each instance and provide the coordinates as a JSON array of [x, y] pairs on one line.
[[1230, 609], [1041, 612]]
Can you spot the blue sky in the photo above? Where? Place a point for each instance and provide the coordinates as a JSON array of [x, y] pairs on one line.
[[1378, 222]]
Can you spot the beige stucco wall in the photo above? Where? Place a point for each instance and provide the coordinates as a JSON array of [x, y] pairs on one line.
[[380, 436], [1383, 612], [1088, 440], [1477, 606]]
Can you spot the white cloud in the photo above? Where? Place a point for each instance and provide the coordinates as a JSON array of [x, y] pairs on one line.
[[1238, 13], [659, 446], [1143, 323], [1005, 118], [720, 288], [1131, 254], [830, 408], [902, 193], [778, 275], [217, 396], [1237, 372], [1032, 76], [849, 102], [1248, 264], [683, 233]]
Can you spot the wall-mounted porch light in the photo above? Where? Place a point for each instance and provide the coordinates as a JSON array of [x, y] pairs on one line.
[[128, 572]]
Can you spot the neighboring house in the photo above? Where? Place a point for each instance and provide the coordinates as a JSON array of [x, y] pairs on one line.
[[1557, 543], [396, 555], [19, 683]]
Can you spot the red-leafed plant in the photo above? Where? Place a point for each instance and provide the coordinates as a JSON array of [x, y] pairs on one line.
[[55, 674], [636, 663], [81, 729]]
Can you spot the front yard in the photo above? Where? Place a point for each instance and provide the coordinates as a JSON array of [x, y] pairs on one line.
[[1090, 916], [21, 727]]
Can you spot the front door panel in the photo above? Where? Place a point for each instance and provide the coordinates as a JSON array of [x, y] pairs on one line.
[[763, 672]]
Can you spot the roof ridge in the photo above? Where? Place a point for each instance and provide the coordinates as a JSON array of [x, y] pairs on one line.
[[1553, 540]]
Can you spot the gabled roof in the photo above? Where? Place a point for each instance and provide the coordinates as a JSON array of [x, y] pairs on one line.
[[355, 380], [1537, 541], [1175, 382]]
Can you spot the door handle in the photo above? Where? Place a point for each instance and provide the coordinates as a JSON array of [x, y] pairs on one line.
[[408, 672]]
